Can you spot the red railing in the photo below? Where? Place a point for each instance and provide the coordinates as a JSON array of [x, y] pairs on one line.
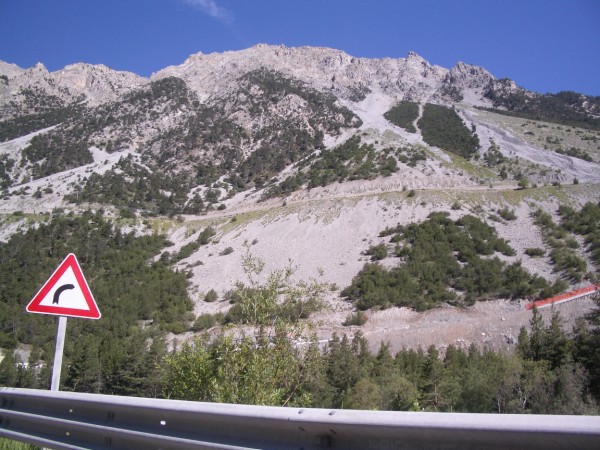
[[567, 296]]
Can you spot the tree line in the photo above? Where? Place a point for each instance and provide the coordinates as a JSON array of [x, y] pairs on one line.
[[548, 371]]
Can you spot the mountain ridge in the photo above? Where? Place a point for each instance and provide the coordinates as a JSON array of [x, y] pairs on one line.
[[292, 60]]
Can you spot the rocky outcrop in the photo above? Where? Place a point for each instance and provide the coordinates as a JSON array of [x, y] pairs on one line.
[[90, 84], [97, 83], [324, 69]]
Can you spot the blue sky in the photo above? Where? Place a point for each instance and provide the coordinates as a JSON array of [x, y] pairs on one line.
[[543, 45]]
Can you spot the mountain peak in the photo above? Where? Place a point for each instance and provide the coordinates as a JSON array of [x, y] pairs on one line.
[[467, 76], [38, 68], [414, 56]]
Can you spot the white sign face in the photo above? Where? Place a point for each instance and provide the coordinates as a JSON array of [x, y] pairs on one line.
[[66, 293]]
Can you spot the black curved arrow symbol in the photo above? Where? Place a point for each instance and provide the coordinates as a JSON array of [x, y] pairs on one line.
[[59, 291]]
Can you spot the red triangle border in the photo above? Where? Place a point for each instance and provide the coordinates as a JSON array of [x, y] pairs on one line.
[[70, 261]]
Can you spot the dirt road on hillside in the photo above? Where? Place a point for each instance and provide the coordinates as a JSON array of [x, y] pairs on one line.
[[493, 324]]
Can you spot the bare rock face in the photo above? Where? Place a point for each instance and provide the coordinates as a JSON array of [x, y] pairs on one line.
[[34, 89], [8, 70], [466, 76], [97, 83], [324, 69], [504, 88]]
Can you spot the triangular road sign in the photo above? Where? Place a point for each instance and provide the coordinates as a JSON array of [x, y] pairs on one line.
[[66, 293]]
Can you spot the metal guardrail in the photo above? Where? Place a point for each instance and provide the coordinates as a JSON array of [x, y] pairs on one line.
[[67, 420]]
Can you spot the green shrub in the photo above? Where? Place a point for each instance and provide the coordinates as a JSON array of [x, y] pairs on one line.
[[358, 318], [507, 214], [175, 327], [276, 299], [584, 223], [562, 108], [535, 252], [569, 263], [572, 243], [205, 235], [127, 213], [211, 296], [188, 249], [7, 444], [523, 183], [377, 252], [351, 160], [205, 321]]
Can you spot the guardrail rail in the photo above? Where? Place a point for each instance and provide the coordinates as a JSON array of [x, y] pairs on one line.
[[68, 420]]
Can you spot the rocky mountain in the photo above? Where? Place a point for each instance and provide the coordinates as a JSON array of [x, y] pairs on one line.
[[307, 153], [90, 84], [324, 69]]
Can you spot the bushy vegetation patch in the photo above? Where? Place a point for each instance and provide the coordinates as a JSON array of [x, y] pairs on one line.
[[377, 252], [493, 156], [507, 214], [352, 160], [403, 115], [443, 261], [358, 318], [575, 153], [211, 296], [205, 321], [535, 252], [560, 238], [67, 146], [205, 138], [442, 127], [565, 108], [188, 249], [131, 185], [278, 299], [6, 165], [54, 152], [40, 110], [585, 223], [226, 251]]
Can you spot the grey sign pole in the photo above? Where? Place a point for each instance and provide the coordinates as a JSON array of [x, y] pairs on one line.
[[58, 353]]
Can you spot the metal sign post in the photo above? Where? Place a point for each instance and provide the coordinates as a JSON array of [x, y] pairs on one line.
[[58, 353]]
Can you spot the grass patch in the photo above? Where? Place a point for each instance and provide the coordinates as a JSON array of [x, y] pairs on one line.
[[473, 169]]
